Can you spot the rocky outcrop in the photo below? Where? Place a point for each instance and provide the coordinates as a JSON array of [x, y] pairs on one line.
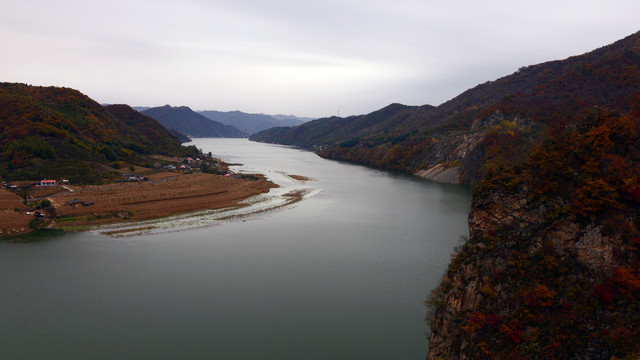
[[547, 271], [441, 173], [454, 158], [476, 284], [457, 156]]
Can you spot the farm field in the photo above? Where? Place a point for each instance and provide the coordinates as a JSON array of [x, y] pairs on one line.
[[12, 222]]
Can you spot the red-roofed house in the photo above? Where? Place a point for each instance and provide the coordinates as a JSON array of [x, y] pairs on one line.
[[47, 183]]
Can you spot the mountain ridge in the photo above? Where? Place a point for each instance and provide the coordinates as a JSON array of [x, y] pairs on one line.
[[250, 123], [539, 94], [190, 123]]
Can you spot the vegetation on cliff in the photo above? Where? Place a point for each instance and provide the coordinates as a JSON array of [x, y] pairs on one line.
[[552, 266]]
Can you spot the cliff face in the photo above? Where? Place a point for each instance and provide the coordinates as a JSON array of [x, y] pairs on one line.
[[458, 157], [511, 294], [552, 265]]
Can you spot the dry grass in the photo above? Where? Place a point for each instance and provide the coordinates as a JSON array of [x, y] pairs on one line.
[[45, 191], [12, 222]]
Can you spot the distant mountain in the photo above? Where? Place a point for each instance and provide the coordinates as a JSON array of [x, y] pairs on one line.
[[190, 123], [51, 132], [336, 130], [251, 123], [292, 117]]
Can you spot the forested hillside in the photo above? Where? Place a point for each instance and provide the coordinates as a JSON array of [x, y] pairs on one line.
[[551, 267], [415, 139], [50, 132]]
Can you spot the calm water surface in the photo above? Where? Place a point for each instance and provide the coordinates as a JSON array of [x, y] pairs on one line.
[[341, 275]]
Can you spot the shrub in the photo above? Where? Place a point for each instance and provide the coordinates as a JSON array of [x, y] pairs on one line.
[[37, 224]]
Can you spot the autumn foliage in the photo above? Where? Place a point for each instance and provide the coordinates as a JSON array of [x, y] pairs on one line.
[[540, 300], [42, 129], [544, 93]]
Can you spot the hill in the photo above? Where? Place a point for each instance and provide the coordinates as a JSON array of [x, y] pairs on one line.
[[250, 123], [353, 129], [190, 123], [50, 132], [292, 118], [451, 137]]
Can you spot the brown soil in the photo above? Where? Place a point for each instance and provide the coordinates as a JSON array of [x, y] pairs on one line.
[[45, 192], [12, 222]]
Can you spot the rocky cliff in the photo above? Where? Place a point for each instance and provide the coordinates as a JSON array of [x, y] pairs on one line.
[[458, 157], [551, 268]]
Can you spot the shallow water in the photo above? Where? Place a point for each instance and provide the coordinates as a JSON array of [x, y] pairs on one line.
[[342, 274]]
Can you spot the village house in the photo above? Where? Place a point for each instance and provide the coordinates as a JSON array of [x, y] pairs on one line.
[[134, 177], [45, 183], [74, 202]]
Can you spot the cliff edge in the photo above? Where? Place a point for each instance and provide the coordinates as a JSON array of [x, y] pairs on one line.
[[551, 269]]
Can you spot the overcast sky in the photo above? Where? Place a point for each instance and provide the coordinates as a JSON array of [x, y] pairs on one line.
[[307, 58]]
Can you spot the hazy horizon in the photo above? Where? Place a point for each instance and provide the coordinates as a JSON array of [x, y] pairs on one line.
[[311, 59]]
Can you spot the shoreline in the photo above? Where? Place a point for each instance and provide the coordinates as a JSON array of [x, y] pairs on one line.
[[250, 207]]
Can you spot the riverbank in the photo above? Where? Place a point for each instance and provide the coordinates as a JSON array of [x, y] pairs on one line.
[[163, 194]]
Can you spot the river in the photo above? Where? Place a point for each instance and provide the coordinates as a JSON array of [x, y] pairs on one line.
[[341, 274]]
